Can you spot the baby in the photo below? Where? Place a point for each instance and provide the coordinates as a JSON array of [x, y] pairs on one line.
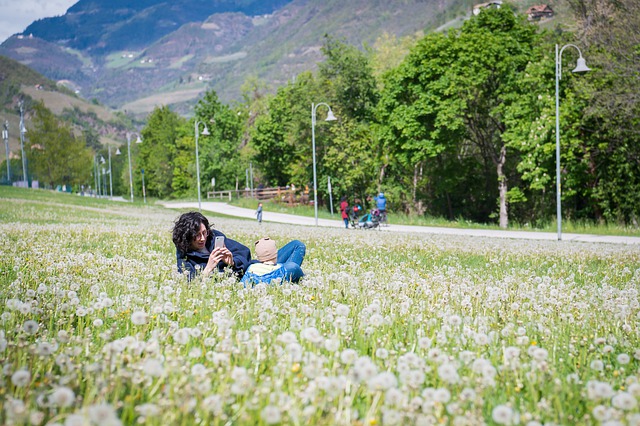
[[273, 264]]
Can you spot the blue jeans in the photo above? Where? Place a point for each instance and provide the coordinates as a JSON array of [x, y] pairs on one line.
[[291, 257]]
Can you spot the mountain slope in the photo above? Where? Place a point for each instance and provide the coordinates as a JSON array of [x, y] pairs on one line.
[[136, 55], [104, 26], [18, 81]]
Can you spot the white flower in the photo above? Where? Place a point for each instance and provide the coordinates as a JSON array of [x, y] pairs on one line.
[[63, 336], [271, 414], [448, 373], [348, 356], [139, 318], [103, 414], [30, 327], [153, 368], [181, 336], [46, 348], [36, 417], [287, 337], [383, 381], [624, 401], [382, 353], [198, 370], [442, 395], [424, 343], [148, 410], [633, 419], [391, 417], [598, 390], [342, 310], [511, 353], [601, 413], [62, 397], [623, 359], [540, 354], [503, 415], [331, 345], [597, 365], [481, 339], [634, 389], [311, 334], [214, 404], [75, 420], [21, 378]]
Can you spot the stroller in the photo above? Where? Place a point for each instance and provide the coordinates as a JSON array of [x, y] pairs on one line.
[[367, 221]]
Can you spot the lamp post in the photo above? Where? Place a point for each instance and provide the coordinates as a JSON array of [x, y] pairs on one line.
[[110, 176], [5, 136], [103, 188], [205, 132], [581, 66], [330, 117], [95, 174], [138, 140], [22, 131]]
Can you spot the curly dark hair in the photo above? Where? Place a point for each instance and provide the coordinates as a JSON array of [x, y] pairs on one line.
[[186, 228]]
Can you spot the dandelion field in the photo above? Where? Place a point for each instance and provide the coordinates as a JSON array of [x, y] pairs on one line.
[[97, 328]]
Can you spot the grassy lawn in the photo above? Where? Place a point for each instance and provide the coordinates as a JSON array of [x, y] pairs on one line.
[[98, 328]]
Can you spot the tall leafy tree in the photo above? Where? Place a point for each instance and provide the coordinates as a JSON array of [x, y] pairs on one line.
[[610, 108], [220, 152], [282, 137], [451, 95], [156, 154], [56, 155], [349, 151]]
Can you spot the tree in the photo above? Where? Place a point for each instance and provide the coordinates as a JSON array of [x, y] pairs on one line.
[[282, 137], [610, 115], [157, 152], [449, 99], [347, 79], [219, 152], [56, 155]]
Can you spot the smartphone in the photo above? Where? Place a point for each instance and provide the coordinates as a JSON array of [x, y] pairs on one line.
[[219, 242]]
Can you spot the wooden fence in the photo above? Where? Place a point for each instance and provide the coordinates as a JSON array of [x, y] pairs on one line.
[[281, 194]]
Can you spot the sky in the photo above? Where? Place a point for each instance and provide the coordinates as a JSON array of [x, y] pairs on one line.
[[16, 15]]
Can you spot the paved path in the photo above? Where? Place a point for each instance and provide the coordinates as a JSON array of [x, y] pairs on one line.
[[227, 209]]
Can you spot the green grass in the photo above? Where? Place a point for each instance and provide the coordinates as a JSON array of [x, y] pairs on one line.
[[402, 329]]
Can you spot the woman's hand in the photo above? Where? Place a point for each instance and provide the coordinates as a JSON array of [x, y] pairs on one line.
[[217, 255]]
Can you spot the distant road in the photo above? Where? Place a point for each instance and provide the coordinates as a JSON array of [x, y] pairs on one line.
[[227, 209]]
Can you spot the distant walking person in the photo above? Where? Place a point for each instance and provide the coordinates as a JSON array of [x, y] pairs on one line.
[[259, 213], [344, 210]]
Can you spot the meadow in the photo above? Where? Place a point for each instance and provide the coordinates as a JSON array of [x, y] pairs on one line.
[[97, 327]]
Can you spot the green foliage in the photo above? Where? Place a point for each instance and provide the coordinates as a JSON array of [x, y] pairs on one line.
[[156, 154], [447, 101], [282, 137], [56, 156], [220, 152]]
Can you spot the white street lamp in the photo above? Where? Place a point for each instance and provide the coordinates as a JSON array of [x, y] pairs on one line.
[[581, 66], [103, 186], [330, 117], [205, 132], [22, 132], [138, 140], [110, 176], [5, 136]]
